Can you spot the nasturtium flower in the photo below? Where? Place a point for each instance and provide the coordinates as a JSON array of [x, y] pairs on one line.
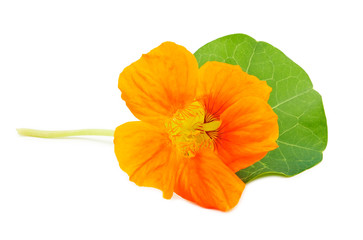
[[198, 126]]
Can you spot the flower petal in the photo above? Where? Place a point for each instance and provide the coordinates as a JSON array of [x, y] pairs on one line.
[[208, 182], [249, 130], [160, 82], [145, 153], [222, 84]]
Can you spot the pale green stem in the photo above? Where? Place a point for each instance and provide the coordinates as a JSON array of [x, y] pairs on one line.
[[67, 133]]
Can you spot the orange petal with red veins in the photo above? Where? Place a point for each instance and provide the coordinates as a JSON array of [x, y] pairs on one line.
[[248, 131], [222, 84], [208, 182], [145, 153], [160, 82]]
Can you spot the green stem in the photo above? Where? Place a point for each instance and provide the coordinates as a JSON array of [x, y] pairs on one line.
[[68, 133]]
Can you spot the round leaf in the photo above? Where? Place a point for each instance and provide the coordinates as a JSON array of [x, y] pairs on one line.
[[302, 121]]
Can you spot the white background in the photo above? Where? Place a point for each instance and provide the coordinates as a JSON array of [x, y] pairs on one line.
[[59, 66]]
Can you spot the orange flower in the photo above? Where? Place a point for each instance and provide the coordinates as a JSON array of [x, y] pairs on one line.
[[198, 126]]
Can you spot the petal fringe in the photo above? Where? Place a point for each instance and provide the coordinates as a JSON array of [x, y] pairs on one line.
[[222, 84], [160, 82], [208, 182], [248, 131], [145, 153]]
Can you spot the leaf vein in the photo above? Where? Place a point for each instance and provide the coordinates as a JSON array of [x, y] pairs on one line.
[[294, 145], [250, 60], [289, 99]]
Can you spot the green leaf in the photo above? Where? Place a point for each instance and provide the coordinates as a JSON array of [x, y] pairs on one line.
[[302, 121]]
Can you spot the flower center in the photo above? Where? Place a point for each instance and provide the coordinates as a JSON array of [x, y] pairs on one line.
[[190, 129]]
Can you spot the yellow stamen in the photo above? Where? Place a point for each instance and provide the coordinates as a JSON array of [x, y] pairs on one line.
[[211, 126], [188, 130]]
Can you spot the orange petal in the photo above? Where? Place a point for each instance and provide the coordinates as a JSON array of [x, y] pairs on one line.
[[145, 153], [248, 131], [208, 182], [222, 84], [160, 82]]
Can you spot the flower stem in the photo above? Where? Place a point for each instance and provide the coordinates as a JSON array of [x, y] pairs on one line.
[[58, 134]]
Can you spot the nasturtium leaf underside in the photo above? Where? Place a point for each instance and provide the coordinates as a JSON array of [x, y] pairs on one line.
[[301, 117]]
